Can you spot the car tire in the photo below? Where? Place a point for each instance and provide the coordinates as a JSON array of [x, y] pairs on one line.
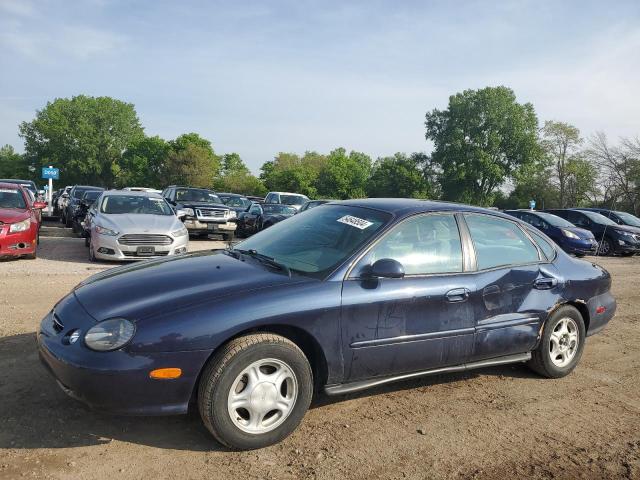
[[605, 248], [92, 255], [561, 345], [255, 358]]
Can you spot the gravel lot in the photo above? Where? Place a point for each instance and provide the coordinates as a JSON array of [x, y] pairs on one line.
[[499, 422]]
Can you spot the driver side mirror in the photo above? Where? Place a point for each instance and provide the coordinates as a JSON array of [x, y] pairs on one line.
[[386, 268], [181, 214], [40, 205]]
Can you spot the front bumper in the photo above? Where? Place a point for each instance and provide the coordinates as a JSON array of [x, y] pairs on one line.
[[624, 245], [116, 382], [19, 243], [122, 252], [197, 226], [580, 247]]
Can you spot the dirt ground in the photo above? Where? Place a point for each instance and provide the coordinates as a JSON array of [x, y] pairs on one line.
[[495, 423]]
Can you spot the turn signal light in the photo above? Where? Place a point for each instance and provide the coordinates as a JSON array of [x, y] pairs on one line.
[[165, 373]]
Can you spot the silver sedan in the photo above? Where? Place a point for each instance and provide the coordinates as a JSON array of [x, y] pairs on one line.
[[125, 225]]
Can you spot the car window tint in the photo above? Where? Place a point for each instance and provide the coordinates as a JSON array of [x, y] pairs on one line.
[[578, 219], [423, 244], [544, 244], [499, 242]]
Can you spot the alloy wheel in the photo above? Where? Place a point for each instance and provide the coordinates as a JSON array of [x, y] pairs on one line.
[[564, 342]]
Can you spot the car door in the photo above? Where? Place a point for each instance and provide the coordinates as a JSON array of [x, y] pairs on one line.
[[422, 321], [251, 218], [579, 219], [515, 286]]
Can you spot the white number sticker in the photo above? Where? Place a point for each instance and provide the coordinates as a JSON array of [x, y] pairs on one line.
[[355, 222]]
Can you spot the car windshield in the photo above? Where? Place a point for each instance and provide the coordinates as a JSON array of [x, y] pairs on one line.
[[598, 218], [196, 195], [293, 199], [91, 196], [11, 198], [135, 204], [315, 243], [25, 184], [79, 192], [236, 201], [282, 209], [554, 220], [629, 219]]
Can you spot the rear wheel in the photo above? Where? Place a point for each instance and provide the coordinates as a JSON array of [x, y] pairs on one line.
[[255, 391], [561, 344]]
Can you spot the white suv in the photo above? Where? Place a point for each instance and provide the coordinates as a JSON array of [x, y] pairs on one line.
[[295, 200]]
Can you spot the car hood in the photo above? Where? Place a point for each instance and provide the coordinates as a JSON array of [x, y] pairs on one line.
[[136, 223], [13, 215], [151, 287], [626, 228], [203, 205]]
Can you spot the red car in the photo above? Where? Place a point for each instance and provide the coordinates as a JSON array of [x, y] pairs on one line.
[[19, 222]]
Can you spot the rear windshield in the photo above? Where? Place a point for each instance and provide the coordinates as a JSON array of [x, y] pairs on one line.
[[91, 196], [135, 204], [79, 192], [196, 195], [11, 198], [236, 201], [283, 209], [293, 199], [554, 220]]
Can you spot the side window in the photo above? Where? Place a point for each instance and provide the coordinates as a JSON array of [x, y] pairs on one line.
[[499, 242], [424, 244], [271, 198], [543, 243], [256, 210], [578, 219]]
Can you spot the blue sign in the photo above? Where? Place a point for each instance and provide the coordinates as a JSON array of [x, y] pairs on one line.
[[532, 204], [53, 173]]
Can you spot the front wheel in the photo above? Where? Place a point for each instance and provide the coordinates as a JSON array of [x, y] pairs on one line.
[[605, 247], [561, 344], [255, 391]]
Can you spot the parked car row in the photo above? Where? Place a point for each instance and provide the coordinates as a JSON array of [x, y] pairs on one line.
[[587, 231]]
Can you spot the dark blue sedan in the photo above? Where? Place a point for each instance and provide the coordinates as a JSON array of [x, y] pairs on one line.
[[570, 238], [348, 296]]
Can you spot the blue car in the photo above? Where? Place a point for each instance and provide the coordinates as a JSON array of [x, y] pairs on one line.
[[348, 296], [570, 238]]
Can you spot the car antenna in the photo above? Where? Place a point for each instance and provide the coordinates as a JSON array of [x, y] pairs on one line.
[[613, 205]]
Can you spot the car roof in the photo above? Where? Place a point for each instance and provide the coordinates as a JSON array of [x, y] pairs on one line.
[[14, 186], [90, 187], [128, 193], [16, 180], [407, 206], [290, 193]]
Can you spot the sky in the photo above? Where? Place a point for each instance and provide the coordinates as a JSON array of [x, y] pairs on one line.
[[262, 77]]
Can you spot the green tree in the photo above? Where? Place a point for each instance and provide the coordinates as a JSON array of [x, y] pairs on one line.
[[83, 136], [292, 173], [400, 176], [144, 163], [191, 161], [531, 182], [232, 163], [13, 165], [344, 176], [560, 142], [479, 141], [581, 187], [235, 177]]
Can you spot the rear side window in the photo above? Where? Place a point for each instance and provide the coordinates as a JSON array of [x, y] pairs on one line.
[[544, 244], [499, 242], [423, 245]]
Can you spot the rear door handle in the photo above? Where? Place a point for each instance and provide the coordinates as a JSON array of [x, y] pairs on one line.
[[457, 295], [545, 283]]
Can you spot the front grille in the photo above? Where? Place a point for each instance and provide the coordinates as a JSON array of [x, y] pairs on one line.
[[212, 213], [135, 254], [144, 239], [57, 324]]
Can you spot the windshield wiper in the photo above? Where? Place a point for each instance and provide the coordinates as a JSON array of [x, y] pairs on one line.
[[264, 259]]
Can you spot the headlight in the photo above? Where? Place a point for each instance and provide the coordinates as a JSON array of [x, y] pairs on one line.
[[570, 234], [109, 334], [181, 232], [232, 214], [189, 211], [105, 231], [22, 226]]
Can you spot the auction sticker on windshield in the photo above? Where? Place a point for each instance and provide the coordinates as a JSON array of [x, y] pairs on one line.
[[355, 222]]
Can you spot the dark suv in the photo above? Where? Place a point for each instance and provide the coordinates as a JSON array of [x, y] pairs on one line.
[[75, 196], [569, 237], [613, 238], [205, 211]]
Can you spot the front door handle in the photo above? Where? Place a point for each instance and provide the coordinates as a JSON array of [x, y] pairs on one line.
[[545, 283], [457, 295]]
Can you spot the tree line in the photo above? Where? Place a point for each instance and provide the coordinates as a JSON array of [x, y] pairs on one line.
[[488, 150]]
